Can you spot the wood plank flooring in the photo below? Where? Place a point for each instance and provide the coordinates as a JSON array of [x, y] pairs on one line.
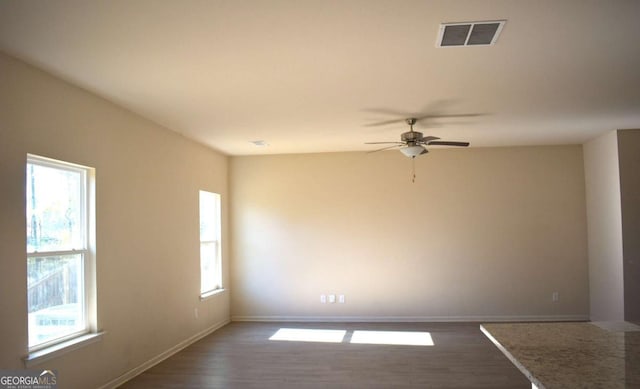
[[240, 355]]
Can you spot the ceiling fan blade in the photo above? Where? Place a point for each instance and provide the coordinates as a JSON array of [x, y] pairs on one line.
[[382, 143], [384, 148], [390, 112], [447, 143], [427, 139], [385, 123], [422, 118], [450, 115]]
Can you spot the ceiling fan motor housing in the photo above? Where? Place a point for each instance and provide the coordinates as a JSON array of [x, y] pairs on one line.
[[411, 136]]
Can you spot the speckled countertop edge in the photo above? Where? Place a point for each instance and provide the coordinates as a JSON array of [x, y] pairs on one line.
[[513, 360], [571, 354]]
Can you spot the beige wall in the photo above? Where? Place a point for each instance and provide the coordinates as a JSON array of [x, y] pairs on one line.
[[629, 158], [483, 233], [602, 178], [147, 223]]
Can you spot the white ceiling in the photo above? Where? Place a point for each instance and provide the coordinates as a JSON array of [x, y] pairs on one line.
[[308, 76]]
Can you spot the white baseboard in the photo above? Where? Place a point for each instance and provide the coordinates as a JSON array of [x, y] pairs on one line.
[[161, 357], [409, 319]]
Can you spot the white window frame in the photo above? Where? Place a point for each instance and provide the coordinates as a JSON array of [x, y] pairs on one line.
[[217, 241], [87, 252]]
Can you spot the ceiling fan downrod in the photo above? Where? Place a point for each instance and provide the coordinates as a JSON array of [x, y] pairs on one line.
[[411, 122]]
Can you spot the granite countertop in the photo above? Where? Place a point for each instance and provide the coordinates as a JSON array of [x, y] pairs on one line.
[[571, 355]]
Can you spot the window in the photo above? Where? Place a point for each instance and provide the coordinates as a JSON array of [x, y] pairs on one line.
[[60, 261], [210, 250]]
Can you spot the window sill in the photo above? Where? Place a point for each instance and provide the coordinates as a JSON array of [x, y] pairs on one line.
[[37, 357], [212, 293]]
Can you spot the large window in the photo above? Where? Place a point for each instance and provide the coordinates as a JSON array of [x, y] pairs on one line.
[[210, 250], [59, 256]]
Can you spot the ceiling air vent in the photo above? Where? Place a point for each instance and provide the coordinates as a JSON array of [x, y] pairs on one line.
[[469, 34]]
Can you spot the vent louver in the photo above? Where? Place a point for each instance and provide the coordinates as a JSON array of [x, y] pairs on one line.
[[469, 34]]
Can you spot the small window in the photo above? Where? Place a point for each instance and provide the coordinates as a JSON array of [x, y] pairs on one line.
[[59, 256], [210, 247]]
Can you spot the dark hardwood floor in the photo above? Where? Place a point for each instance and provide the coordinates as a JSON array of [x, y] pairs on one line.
[[240, 355]]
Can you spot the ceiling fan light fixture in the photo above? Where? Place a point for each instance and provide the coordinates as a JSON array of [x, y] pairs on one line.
[[412, 151]]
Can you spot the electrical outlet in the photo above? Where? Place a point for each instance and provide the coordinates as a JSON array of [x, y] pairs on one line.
[[341, 299], [195, 312], [555, 296], [323, 299], [332, 298]]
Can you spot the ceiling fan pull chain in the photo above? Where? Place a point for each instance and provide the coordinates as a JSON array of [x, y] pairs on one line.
[[413, 170]]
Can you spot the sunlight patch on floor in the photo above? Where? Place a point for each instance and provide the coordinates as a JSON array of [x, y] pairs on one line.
[[309, 335], [406, 338]]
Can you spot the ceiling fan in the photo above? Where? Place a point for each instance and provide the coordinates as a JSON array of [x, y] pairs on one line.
[[412, 143]]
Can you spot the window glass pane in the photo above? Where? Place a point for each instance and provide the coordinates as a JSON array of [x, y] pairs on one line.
[[209, 209], [54, 209], [209, 267], [55, 297]]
